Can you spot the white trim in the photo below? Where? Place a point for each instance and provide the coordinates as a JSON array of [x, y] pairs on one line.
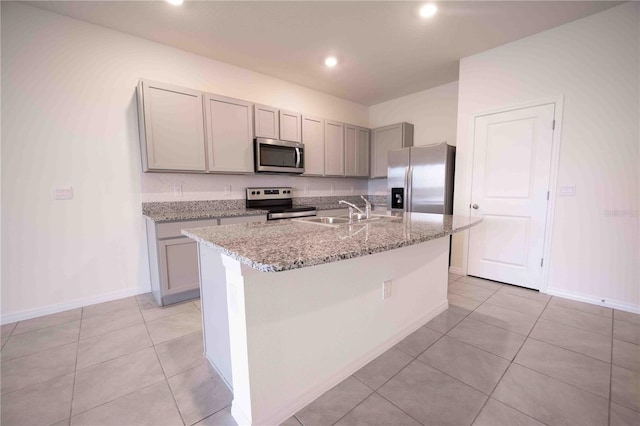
[[78, 303], [316, 391], [581, 297], [456, 270], [558, 102]]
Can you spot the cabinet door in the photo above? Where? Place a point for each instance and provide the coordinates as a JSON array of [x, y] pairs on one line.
[[313, 140], [333, 148], [385, 139], [351, 159], [363, 153], [266, 122], [173, 121], [290, 126], [178, 265], [229, 134]]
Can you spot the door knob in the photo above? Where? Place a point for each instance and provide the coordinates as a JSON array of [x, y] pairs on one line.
[[475, 206]]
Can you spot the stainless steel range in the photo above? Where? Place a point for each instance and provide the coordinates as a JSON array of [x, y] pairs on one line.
[[278, 201]]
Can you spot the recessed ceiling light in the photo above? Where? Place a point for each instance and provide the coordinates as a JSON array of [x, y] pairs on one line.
[[331, 62], [175, 2], [428, 10]]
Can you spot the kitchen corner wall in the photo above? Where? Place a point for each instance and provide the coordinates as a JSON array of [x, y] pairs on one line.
[[594, 64], [433, 113], [69, 119]]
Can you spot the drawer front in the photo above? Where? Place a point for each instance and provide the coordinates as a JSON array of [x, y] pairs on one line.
[[172, 229], [242, 219]]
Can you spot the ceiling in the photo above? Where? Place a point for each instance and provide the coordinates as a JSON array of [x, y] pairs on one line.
[[385, 50]]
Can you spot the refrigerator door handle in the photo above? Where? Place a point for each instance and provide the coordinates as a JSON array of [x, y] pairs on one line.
[[408, 200]]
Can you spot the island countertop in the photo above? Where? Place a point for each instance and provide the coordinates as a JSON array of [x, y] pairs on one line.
[[291, 244]]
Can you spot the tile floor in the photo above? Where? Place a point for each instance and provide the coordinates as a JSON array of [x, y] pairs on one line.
[[500, 355]]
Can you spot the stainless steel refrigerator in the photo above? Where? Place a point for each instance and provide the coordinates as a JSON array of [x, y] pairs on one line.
[[420, 179]]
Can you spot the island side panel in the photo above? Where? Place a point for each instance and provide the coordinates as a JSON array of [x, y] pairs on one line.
[[308, 329], [215, 320]]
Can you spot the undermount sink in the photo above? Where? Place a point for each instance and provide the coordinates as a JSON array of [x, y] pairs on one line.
[[324, 220], [340, 220]]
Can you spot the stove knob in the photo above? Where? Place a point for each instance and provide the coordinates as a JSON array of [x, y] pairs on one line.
[[253, 192], [258, 192]]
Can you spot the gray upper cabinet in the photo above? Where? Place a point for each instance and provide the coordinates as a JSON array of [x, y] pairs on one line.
[[290, 126], [350, 150], [313, 140], [356, 151], [385, 139], [267, 123], [333, 148], [229, 134], [362, 153], [171, 128]]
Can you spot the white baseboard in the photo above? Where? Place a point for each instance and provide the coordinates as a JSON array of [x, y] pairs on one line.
[[77, 303], [580, 297], [316, 391], [456, 270]]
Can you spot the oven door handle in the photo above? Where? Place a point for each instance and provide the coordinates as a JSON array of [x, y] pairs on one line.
[[298, 158]]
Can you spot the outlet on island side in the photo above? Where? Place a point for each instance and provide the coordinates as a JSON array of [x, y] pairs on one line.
[[386, 289]]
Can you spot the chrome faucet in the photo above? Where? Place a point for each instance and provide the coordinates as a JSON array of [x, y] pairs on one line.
[[367, 207], [351, 208]]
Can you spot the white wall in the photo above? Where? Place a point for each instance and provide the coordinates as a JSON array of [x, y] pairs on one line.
[[69, 118], [433, 113], [594, 64]]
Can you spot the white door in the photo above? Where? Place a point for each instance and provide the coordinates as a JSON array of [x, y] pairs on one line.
[[511, 169]]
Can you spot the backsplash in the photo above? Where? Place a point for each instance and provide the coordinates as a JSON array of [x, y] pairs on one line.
[[152, 208], [165, 187]]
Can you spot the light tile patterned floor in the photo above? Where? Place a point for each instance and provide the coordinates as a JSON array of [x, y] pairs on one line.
[[500, 355]]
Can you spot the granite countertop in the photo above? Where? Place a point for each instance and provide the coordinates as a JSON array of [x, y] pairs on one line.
[[292, 244], [174, 216], [173, 211]]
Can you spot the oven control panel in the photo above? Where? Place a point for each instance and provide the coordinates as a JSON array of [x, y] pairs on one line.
[[278, 193]]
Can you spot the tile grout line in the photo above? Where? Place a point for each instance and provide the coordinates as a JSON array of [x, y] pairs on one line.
[[611, 369], [166, 380], [507, 369], [375, 391], [75, 368], [415, 358]]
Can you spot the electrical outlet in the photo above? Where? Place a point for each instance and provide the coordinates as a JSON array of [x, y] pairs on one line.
[[177, 190], [64, 193], [567, 190], [386, 289], [227, 190]]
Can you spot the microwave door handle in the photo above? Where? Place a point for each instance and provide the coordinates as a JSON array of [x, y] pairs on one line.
[[298, 159]]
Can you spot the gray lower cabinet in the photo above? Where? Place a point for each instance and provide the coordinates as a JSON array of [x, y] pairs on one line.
[[385, 139], [173, 258], [171, 128]]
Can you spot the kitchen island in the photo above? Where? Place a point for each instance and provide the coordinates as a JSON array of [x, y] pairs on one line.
[[292, 308]]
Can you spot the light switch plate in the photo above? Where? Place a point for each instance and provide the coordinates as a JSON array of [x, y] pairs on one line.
[[227, 190], [567, 190], [63, 193], [177, 191]]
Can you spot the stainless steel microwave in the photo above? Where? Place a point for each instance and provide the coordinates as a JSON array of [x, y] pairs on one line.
[[274, 156]]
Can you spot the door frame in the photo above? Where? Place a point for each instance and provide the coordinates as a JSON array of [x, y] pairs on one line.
[[558, 102]]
